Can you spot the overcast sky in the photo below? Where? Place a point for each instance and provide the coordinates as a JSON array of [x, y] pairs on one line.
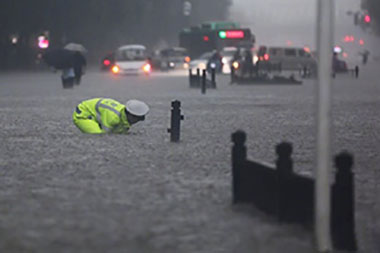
[[279, 22]]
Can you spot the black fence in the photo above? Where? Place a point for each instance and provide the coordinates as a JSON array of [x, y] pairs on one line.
[[278, 191], [200, 80]]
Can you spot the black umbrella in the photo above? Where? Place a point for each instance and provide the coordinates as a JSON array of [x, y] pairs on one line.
[[60, 58]]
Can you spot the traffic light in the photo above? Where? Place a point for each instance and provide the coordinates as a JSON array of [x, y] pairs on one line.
[[43, 42], [367, 19]]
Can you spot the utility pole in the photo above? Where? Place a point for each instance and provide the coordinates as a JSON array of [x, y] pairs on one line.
[[325, 31], [187, 8]]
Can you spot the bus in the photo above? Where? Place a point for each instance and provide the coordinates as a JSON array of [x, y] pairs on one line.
[[215, 36]]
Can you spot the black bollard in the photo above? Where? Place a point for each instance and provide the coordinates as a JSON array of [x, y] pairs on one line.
[[190, 77], [356, 71], [239, 158], [232, 75], [284, 166], [203, 88], [213, 82], [343, 205], [198, 77], [175, 123]]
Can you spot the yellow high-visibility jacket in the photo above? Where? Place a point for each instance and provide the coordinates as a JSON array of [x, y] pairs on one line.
[[108, 113]]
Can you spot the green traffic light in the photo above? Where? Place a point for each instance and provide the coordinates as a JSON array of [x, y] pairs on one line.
[[222, 34]]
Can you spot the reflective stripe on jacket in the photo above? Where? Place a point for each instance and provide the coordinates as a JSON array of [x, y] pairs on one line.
[[109, 113]]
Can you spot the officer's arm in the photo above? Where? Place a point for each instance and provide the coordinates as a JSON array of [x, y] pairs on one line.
[[121, 129], [118, 127]]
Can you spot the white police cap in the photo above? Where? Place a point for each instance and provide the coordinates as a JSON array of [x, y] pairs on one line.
[[137, 107]]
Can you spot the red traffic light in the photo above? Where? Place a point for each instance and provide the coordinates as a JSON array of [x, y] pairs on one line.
[[43, 42], [206, 38], [367, 18]]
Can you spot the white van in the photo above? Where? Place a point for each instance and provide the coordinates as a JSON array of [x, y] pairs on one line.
[[289, 58], [131, 59]]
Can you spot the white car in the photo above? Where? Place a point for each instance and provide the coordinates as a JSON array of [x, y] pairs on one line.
[[201, 62], [227, 54], [290, 58], [172, 58], [131, 59]]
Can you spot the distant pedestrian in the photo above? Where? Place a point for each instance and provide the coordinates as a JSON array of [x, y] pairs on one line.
[[215, 62], [365, 56], [105, 115], [356, 71], [248, 63], [68, 77], [79, 63]]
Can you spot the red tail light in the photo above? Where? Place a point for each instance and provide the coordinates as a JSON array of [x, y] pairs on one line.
[[106, 62], [266, 57]]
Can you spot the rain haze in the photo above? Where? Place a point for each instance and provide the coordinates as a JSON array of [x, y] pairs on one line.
[[156, 126], [293, 22]]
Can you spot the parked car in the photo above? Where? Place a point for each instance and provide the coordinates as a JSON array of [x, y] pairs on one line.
[[338, 65], [227, 54], [171, 58], [131, 59], [108, 61], [201, 62]]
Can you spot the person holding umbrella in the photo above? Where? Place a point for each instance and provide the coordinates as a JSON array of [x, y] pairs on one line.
[[79, 61], [70, 60], [62, 59]]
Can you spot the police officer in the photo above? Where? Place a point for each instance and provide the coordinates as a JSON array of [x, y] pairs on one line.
[[105, 115], [248, 63]]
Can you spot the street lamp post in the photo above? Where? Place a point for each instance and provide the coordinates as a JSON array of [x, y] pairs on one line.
[[187, 8], [325, 24]]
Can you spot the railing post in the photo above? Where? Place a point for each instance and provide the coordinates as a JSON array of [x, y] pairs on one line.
[[191, 77], [213, 82], [239, 156], [232, 75], [203, 87], [356, 71], [175, 123], [343, 205], [284, 167], [198, 77]]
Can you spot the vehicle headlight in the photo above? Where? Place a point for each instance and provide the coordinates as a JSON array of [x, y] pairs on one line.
[[213, 65], [224, 60], [115, 69], [235, 65], [255, 59], [202, 65], [147, 68]]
